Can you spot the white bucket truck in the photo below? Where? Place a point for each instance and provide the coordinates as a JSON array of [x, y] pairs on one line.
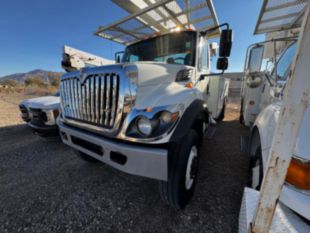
[[147, 115], [267, 71]]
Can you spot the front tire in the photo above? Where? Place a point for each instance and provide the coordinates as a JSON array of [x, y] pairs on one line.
[[256, 173], [178, 190]]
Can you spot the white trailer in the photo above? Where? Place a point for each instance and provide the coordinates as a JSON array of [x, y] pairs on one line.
[[147, 114], [279, 146]]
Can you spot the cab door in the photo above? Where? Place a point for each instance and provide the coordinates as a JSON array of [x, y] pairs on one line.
[[279, 75], [252, 84], [203, 67]]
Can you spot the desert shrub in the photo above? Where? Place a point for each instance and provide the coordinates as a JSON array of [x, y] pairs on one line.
[[35, 80], [54, 81], [9, 83], [40, 91]]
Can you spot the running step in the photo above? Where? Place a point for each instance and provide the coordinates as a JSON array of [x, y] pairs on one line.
[[210, 132], [244, 143]]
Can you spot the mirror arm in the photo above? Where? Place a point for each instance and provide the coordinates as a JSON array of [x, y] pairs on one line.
[[204, 33], [202, 76], [215, 74], [267, 77]]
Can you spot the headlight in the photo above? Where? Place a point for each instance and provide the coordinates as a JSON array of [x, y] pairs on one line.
[[144, 126], [50, 117], [151, 123], [166, 117]]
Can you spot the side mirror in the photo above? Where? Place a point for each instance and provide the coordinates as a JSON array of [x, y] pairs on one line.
[[226, 42], [224, 50], [222, 63], [255, 58], [119, 56]]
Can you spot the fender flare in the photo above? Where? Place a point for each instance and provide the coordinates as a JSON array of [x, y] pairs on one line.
[[195, 111]]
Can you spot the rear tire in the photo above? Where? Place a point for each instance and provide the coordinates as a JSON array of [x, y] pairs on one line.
[[85, 157], [182, 175]]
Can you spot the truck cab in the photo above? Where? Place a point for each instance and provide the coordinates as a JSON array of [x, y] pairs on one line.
[[268, 68], [265, 74], [148, 113]]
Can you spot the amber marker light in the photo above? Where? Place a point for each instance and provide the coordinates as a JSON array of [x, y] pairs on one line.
[[148, 110], [56, 113], [298, 174], [189, 85], [174, 116]]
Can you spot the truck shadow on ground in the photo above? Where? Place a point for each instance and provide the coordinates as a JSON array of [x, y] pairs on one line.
[[45, 187]]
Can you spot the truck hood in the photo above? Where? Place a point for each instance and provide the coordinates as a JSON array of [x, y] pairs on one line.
[[154, 73], [156, 84], [45, 102]]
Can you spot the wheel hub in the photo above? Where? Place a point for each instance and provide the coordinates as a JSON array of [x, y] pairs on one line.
[[192, 168]]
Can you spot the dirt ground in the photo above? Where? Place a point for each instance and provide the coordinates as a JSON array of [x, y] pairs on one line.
[[44, 187], [9, 110]]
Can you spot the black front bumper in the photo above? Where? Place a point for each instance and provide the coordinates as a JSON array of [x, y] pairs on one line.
[[44, 131]]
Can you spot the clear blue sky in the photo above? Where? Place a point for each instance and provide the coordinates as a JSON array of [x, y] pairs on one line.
[[34, 31]]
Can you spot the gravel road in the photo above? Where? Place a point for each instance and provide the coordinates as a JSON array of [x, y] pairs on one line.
[[44, 187]]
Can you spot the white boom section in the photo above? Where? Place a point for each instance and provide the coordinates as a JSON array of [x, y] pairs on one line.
[[152, 17], [295, 103], [74, 59]]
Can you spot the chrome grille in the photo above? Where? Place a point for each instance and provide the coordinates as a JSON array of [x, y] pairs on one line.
[[95, 101]]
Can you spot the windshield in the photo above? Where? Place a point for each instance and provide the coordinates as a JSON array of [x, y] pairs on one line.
[[285, 61], [175, 48]]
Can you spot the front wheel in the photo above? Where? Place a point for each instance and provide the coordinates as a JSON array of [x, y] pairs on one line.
[[183, 170]]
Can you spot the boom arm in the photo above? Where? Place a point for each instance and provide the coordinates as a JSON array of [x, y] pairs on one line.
[[74, 59]]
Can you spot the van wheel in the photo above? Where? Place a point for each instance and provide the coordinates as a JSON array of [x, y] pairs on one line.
[[256, 163], [85, 157], [178, 190]]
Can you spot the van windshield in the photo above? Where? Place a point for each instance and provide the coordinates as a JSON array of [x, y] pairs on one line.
[[174, 48]]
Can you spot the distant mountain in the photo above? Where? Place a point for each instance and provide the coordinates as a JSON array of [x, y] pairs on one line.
[[45, 75]]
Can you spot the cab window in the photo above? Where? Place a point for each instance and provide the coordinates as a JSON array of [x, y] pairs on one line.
[[285, 62]]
